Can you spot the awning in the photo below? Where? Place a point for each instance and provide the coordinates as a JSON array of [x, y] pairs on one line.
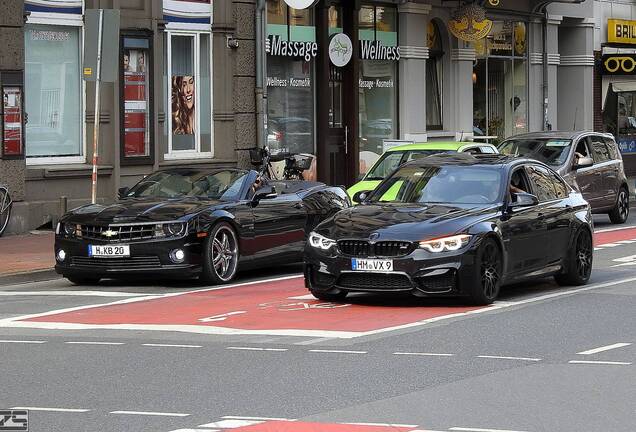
[[621, 87]]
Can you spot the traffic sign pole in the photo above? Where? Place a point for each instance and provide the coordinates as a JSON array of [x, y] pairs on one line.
[[97, 92]]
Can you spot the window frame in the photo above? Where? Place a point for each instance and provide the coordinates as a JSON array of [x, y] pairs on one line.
[[64, 20], [600, 140], [196, 153], [150, 158]]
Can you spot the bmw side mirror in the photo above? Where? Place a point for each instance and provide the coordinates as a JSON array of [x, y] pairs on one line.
[[360, 196], [584, 162], [265, 192], [520, 200], [122, 192]]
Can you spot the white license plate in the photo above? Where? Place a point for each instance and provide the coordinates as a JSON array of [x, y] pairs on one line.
[[371, 265], [110, 251]]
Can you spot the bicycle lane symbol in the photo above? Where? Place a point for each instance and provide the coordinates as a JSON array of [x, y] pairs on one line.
[[283, 306]]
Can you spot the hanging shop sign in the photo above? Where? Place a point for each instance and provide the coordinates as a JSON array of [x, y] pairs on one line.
[[618, 64], [340, 50], [469, 23], [301, 4], [621, 31], [276, 46], [376, 50]]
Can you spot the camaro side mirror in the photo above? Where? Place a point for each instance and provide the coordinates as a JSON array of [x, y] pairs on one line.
[[122, 192], [584, 162], [360, 196], [265, 192], [523, 200]]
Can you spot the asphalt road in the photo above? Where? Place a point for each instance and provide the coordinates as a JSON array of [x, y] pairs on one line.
[[543, 359]]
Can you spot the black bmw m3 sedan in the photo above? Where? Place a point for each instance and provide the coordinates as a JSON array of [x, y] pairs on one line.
[[454, 225]]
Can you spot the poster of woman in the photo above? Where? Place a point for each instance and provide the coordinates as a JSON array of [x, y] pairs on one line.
[[183, 105]]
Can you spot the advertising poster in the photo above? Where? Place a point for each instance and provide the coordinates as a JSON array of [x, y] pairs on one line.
[[12, 121], [136, 112], [183, 105]]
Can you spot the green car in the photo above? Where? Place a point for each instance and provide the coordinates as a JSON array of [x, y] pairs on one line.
[[396, 156]]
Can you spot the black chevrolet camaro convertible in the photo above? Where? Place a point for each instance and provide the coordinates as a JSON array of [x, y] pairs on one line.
[[456, 225], [191, 222]]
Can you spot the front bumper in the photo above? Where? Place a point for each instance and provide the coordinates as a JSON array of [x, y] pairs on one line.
[[151, 257], [421, 273]]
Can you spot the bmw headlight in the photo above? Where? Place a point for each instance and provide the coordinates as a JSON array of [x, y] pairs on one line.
[[320, 242], [446, 244]]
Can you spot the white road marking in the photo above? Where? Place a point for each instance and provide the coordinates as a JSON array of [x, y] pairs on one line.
[[230, 424], [196, 430], [257, 349], [257, 418], [598, 248], [70, 410], [608, 245], [337, 351], [423, 354], [23, 341], [93, 343], [172, 345], [150, 413], [303, 297], [626, 241], [623, 228], [599, 362], [72, 293], [509, 358], [605, 348], [312, 341], [465, 429], [382, 424], [221, 317]]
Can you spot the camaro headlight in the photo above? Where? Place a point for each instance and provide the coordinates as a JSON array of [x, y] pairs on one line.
[[444, 244], [321, 242], [172, 229]]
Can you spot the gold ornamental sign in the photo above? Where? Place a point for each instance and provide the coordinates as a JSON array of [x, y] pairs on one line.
[[469, 23], [621, 31]]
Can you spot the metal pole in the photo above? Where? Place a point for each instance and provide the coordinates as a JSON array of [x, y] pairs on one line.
[[96, 124]]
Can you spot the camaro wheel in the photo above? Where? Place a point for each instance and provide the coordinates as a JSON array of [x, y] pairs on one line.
[[578, 267], [221, 254], [83, 280], [329, 297], [619, 214], [489, 272]]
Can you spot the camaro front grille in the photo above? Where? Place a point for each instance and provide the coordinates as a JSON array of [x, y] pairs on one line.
[[113, 234], [115, 264], [375, 281], [363, 248]]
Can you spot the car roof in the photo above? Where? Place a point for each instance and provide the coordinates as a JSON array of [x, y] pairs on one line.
[[570, 135], [467, 159], [435, 145]]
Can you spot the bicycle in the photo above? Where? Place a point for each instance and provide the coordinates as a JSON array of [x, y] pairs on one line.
[[5, 208], [295, 164]]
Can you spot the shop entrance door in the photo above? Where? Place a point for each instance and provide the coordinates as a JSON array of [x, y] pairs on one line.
[[337, 134]]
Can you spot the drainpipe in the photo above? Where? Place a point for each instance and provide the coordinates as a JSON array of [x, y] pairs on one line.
[[261, 90]]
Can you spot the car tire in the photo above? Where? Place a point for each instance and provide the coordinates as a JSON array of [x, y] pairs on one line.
[[329, 297], [83, 280], [489, 272], [620, 213], [578, 266], [221, 254]]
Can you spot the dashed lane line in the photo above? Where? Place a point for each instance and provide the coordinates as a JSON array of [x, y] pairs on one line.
[[23, 341], [604, 348], [93, 343], [257, 349], [150, 413], [257, 418], [72, 293], [398, 425], [327, 351], [423, 354], [592, 362], [48, 409], [171, 345], [509, 358], [230, 424], [469, 429]]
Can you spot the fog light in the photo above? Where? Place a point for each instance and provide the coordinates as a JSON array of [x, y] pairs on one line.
[[177, 256], [61, 255]]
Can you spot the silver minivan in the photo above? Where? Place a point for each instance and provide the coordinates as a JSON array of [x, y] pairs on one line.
[[589, 161]]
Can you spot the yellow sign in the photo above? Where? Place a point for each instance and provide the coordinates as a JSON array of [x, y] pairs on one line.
[[621, 31], [88, 71], [470, 24]]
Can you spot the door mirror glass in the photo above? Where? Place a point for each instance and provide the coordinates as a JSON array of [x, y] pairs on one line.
[[523, 199], [122, 192], [360, 196], [265, 192], [583, 162]]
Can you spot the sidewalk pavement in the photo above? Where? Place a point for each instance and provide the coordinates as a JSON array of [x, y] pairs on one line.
[[26, 253]]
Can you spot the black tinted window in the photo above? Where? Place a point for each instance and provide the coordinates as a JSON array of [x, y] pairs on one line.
[[553, 152], [560, 187], [599, 150], [542, 182], [612, 147]]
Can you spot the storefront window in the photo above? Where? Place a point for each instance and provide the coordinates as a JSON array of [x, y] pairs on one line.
[[136, 97], [53, 91], [619, 116], [290, 81], [377, 84], [190, 120], [434, 78], [500, 82]]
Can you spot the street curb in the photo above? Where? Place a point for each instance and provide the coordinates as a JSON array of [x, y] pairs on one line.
[[30, 276]]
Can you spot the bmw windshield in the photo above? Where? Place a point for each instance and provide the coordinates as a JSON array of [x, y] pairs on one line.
[[450, 184], [553, 152]]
